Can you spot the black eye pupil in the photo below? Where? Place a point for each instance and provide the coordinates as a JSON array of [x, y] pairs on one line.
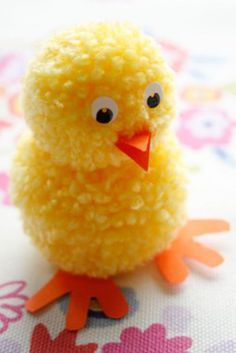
[[104, 116], [153, 101]]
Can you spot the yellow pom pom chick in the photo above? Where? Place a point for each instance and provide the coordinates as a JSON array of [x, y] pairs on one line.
[[99, 179]]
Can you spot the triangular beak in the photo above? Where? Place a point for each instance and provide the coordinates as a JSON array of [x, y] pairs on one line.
[[137, 147]]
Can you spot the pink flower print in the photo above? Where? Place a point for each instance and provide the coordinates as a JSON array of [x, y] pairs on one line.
[[4, 124], [4, 185], [65, 342], [152, 340], [200, 126], [11, 68], [11, 303], [175, 55]]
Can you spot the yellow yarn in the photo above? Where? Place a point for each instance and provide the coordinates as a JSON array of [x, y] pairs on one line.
[[87, 206]]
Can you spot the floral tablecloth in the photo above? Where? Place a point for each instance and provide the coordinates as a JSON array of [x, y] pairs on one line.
[[198, 316]]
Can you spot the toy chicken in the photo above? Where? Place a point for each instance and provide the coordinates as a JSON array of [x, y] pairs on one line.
[[99, 179]]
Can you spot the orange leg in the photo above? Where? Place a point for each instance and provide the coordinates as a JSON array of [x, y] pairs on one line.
[[53, 290], [81, 290], [112, 301], [171, 261], [78, 311]]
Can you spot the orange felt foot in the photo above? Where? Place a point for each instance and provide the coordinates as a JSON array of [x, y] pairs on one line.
[[171, 262], [81, 289]]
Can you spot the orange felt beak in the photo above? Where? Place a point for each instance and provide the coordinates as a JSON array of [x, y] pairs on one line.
[[137, 147]]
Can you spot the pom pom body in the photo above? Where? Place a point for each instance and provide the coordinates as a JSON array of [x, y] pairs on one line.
[[104, 222], [86, 205]]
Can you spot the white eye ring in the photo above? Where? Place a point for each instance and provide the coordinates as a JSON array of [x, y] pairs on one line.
[[104, 110], [152, 90]]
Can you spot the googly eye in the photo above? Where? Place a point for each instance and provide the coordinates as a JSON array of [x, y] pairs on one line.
[[104, 110], [153, 95]]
